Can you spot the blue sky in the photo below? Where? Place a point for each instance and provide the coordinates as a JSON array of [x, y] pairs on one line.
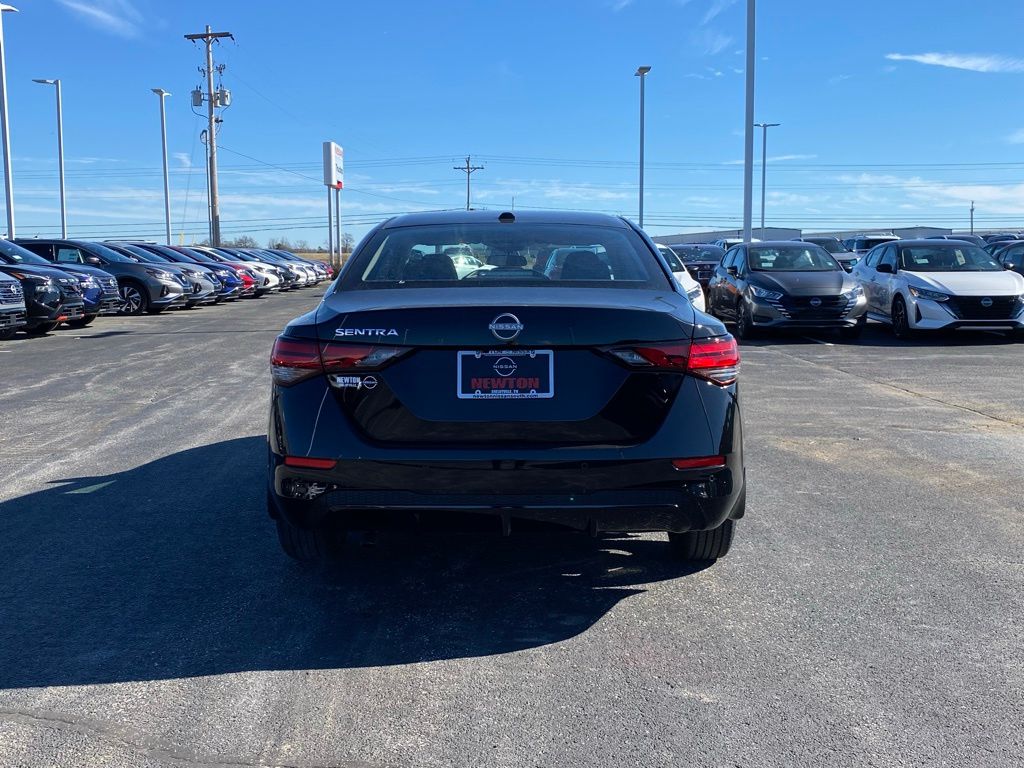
[[890, 115]]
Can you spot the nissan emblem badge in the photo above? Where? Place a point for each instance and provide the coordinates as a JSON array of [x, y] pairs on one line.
[[506, 327]]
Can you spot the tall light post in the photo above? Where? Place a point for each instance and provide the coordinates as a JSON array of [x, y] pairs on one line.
[[163, 141], [641, 72], [764, 163], [4, 127], [748, 132], [60, 158]]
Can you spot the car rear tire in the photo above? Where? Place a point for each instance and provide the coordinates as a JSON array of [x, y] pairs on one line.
[[81, 322], [900, 319], [7, 333], [703, 546]]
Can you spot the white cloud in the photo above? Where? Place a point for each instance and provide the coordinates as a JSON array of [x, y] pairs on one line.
[[709, 42], [1017, 137], [836, 79], [717, 6], [970, 62], [774, 159], [118, 17], [184, 158], [618, 5]]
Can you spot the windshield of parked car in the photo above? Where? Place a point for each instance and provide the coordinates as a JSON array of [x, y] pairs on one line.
[[689, 253], [867, 243], [673, 261], [98, 249], [133, 252], [829, 244], [791, 258], [946, 258], [544, 255], [17, 255]]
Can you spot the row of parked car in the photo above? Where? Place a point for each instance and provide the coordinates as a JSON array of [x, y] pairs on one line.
[[945, 283], [44, 283]]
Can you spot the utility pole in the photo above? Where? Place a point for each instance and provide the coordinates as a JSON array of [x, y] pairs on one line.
[[748, 129], [972, 217], [5, 131], [60, 157], [468, 170], [764, 163], [163, 143], [213, 99], [641, 72]]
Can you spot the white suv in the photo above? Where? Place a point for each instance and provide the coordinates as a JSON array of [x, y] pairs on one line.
[[939, 284]]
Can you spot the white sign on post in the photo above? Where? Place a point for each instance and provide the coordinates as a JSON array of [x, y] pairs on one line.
[[334, 165]]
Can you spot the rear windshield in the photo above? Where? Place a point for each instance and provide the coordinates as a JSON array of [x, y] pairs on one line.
[[830, 244], [673, 261], [474, 255], [947, 258], [18, 255], [698, 252], [808, 258]]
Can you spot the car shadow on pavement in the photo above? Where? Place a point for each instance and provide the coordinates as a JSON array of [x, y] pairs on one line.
[[172, 569], [878, 335]]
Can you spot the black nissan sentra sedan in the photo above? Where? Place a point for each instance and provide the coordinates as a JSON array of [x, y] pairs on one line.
[[600, 400], [786, 285]]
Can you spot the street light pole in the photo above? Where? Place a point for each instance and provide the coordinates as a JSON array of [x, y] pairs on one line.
[[60, 158], [764, 163], [748, 132], [163, 140], [5, 129], [641, 72]]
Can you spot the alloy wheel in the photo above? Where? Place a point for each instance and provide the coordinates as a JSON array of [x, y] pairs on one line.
[[131, 300]]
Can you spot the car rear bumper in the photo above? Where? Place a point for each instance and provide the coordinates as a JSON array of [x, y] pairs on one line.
[[639, 495]]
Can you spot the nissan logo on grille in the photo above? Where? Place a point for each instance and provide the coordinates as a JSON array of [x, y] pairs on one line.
[[986, 302], [815, 302], [506, 327]]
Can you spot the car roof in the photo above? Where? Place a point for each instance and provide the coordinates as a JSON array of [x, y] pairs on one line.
[[933, 243], [491, 217], [773, 243]]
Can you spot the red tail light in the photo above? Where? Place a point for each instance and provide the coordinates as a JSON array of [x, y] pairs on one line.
[[294, 360], [304, 462], [715, 359], [700, 462]]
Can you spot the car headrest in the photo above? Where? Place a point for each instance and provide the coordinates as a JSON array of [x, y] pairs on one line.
[[585, 265], [433, 266]]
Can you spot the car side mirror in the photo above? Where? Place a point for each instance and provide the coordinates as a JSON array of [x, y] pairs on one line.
[[1007, 265], [732, 271], [885, 269], [94, 260]]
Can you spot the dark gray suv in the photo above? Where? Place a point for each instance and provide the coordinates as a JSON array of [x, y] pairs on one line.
[[144, 288]]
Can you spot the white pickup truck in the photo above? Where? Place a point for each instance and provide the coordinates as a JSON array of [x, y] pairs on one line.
[[12, 306]]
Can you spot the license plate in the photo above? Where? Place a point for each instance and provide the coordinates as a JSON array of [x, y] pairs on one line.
[[507, 375]]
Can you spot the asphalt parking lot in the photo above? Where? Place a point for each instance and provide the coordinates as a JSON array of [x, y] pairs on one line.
[[869, 614]]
